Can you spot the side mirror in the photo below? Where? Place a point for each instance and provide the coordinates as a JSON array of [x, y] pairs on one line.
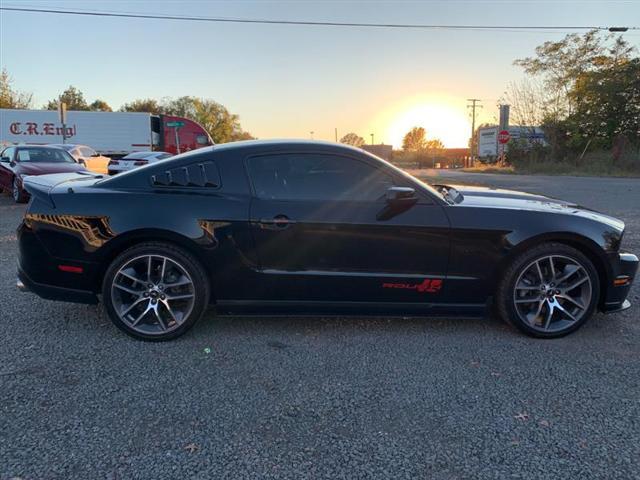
[[401, 195], [13, 163], [399, 200]]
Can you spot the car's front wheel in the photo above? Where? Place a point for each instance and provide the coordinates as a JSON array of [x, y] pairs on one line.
[[155, 291], [548, 291], [18, 194]]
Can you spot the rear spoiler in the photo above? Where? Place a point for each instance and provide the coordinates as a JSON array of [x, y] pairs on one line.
[[40, 186]]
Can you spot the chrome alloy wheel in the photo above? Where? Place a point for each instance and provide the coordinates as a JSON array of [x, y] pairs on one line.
[[552, 293], [152, 294]]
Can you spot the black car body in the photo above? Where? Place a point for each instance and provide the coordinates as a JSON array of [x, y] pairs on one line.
[[296, 227]]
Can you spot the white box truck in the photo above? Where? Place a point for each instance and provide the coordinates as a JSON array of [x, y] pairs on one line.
[[488, 140], [109, 133]]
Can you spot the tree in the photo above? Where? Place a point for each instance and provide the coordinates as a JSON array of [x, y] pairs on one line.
[[73, 97], [222, 125], [142, 105], [415, 140], [608, 103], [561, 63], [531, 103], [434, 144], [100, 106], [352, 139], [10, 98]]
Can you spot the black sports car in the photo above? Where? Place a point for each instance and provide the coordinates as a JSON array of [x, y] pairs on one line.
[[296, 227]]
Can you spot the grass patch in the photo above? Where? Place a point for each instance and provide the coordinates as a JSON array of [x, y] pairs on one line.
[[596, 164]]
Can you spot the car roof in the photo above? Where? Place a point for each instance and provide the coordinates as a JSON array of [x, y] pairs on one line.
[[43, 147], [277, 145], [144, 154], [64, 146], [284, 143], [69, 145]]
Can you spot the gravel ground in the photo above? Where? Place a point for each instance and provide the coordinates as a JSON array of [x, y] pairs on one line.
[[321, 398]]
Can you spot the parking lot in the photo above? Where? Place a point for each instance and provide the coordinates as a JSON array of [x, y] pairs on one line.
[[322, 397]]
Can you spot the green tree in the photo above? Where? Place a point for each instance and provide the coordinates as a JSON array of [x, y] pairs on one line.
[[143, 105], [10, 98], [561, 63], [222, 125], [608, 103], [100, 106], [352, 139], [415, 140], [73, 97]]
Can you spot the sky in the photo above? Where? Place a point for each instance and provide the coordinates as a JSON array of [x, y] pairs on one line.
[[288, 81]]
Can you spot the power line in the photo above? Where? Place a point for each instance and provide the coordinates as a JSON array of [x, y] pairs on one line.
[[95, 13]]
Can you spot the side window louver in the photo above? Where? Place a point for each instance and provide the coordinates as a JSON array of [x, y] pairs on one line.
[[200, 175]]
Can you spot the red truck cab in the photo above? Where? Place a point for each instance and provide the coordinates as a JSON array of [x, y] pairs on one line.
[[179, 134]]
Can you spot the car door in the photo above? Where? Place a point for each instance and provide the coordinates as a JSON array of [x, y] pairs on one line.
[[324, 231], [6, 173]]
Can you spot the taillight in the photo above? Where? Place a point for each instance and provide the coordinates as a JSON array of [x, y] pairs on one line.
[[140, 162], [114, 162]]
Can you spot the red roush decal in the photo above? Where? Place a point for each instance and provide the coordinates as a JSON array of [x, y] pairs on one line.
[[427, 286]]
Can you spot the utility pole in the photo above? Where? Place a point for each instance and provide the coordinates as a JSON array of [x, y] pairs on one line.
[[473, 107], [336, 134], [371, 138], [311, 134]]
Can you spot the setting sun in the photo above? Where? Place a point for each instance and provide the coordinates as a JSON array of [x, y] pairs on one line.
[[440, 119]]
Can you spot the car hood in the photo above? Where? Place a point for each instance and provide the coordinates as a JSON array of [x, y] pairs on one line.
[[511, 199], [45, 168]]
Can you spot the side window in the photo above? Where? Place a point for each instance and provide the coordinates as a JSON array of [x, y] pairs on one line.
[[8, 152], [86, 152], [316, 177]]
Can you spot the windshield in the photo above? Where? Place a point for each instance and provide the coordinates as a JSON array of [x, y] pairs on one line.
[[44, 155]]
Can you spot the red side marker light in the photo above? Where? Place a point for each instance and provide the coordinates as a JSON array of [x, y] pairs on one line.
[[621, 281], [70, 269]]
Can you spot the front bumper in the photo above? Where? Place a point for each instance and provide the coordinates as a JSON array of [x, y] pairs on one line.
[[624, 270]]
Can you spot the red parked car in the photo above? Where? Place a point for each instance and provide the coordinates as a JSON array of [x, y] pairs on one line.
[[20, 161]]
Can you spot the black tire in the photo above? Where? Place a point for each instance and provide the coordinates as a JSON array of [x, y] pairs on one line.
[[197, 274], [17, 193], [505, 296]]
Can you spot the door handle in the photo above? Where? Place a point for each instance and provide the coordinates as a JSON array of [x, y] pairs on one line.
[[279, 222]]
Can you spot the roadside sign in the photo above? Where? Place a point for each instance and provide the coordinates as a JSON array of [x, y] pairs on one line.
[[62, 112], [504, 136], [175, 124]]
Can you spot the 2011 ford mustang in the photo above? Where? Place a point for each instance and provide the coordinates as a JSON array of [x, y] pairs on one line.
[[296, 227]]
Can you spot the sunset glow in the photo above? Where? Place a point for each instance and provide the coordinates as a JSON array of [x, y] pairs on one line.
[[440, 118]]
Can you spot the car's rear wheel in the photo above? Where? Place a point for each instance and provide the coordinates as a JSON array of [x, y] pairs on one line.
[[18, 195], [155, 291], [549, 291]]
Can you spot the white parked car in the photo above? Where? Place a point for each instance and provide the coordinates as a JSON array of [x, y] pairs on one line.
[[87, 156], [134, 160]]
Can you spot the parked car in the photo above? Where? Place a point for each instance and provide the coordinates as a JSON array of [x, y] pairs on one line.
[[295, 227], [87, 156], [137, 159], [16, 162]]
